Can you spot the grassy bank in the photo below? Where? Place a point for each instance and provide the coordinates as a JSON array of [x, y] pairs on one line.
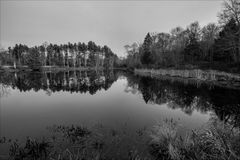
[[213, 76]]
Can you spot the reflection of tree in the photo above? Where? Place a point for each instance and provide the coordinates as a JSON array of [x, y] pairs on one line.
[[145, 85], [71, 81], [4, 90], [189, 97], [48, 92]]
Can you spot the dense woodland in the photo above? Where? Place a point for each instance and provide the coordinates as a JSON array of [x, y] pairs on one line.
[[64, 55], [213, 45]]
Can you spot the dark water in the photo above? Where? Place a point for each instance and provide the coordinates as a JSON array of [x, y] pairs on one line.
[[31, 103]]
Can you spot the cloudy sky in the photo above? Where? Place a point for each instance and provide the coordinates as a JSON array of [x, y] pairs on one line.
[[114, 23]]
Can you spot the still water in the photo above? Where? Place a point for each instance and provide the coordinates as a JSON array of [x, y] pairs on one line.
[[33, 102]]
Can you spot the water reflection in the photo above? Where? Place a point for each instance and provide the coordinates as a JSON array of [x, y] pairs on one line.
[[128, 103], [4, 90], [70, 81], [225, 103], [188, 97]]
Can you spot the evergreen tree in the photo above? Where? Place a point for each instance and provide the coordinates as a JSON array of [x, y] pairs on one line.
[[226, 47], [92, 47], [67, 55], [193, 50], [34, 58], [147, 57]]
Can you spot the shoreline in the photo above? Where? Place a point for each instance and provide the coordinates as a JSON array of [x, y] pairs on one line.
[[194, 76], [47, 68]]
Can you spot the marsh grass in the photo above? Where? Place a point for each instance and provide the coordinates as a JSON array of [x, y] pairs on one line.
[[98, 142], [32, 149], [216, 141]]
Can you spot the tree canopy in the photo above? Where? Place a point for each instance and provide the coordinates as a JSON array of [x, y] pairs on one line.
[[63, 55], [211, 46]]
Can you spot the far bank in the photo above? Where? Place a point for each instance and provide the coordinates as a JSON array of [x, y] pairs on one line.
[[215, 77], [50, 68]]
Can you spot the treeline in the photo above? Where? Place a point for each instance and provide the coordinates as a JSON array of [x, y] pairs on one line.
[[64, 55], [193, 46]]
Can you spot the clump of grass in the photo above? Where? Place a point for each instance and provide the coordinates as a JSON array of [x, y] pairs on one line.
[[217, 141], [163, 139], [3, 140], [32, 149]]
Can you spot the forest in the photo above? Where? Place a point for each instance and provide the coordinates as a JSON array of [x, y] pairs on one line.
[[215, 46], [64, 55]]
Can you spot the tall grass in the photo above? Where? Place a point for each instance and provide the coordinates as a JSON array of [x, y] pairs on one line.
[[32, 149], [216, 141]]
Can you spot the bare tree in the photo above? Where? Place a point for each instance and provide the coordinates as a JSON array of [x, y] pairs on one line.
[[208, 35], [231, 9]]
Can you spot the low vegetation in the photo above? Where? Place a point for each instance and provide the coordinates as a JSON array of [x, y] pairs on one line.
[[215, 141], [81, 143], [223, 79]]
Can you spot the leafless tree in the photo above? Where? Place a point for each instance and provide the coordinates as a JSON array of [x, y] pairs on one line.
[[4, 90], [231, 9]]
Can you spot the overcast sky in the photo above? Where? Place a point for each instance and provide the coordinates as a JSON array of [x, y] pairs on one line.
[[114, 23]]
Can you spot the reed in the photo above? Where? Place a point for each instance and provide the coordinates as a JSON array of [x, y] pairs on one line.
[[216, 141]]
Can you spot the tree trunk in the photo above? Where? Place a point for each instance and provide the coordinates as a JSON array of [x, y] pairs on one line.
[[63, 61], [85, 61], [79, 61], [45, 58]]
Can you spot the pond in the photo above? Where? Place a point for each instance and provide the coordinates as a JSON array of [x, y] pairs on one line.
[[32, 104]]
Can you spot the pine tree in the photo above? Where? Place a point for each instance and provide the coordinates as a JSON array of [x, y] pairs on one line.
[[193, 50], [226, 47], [34, 59], [147, 57]]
